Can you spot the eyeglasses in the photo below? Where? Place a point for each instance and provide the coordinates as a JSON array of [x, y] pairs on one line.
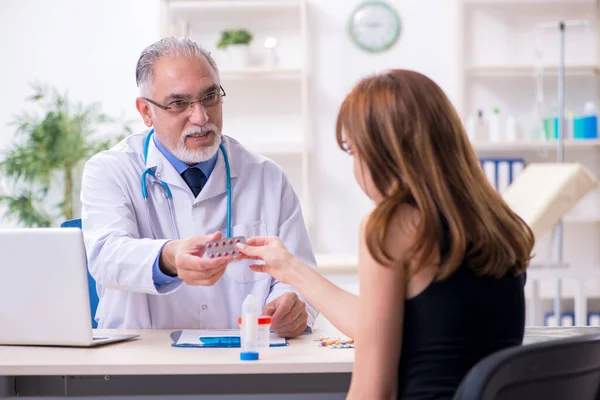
[[178, 106]]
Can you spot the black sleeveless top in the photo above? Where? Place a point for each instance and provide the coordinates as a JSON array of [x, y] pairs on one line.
[[452, 325]]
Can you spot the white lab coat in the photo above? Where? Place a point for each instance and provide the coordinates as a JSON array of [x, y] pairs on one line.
[[121, 249]]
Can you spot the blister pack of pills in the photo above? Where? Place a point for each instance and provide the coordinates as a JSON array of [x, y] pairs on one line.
[[336, 343], [225, 247]]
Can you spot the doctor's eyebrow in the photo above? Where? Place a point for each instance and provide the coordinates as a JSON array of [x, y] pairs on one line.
[[181, 96], [178, 96], [212, 88]]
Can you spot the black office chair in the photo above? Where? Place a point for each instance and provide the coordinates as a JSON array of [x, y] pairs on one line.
[[565, 369]]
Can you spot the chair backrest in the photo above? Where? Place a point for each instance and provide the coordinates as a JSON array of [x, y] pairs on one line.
[[555, 369], [76, 223]]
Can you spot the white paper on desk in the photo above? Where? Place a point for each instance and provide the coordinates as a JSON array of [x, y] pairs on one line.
[[192, 336]]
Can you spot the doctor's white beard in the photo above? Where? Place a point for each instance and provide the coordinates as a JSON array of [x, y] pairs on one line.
[[189, 156]]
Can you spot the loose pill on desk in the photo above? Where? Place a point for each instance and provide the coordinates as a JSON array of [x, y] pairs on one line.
[[336, 342]]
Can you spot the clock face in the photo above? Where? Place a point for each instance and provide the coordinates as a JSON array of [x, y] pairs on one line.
[[374, 26]]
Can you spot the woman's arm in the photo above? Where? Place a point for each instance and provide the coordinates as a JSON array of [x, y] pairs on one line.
[[336, 304], [378, 340]]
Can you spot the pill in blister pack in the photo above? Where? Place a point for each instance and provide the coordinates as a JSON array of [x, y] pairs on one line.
[[225, 247]]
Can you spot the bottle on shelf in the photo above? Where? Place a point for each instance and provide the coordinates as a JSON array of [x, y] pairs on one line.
[[495, 126], [512, 129], [476, 127], [551, 123], [586, 126], [569, 128]]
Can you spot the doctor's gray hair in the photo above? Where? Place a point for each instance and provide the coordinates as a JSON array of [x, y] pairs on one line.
[[168, 46]]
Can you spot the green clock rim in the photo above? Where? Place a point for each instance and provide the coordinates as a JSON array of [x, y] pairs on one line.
[[396, 33]]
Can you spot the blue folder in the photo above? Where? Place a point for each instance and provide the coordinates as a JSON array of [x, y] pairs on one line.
[[215, 342]]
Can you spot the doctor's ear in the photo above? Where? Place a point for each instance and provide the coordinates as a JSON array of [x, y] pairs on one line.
[[144, 109]]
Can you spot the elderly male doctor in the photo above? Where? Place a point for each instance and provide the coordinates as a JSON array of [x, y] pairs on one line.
[[147, 258]]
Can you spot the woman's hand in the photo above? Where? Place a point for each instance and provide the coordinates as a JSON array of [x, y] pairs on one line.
[[277, 259]]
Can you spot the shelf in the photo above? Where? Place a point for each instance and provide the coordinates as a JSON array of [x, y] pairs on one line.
[[187, 5], [528, 71], [528, 2], [337, 264], [580, 220], [531, 145], [588, 276], [260, 72]]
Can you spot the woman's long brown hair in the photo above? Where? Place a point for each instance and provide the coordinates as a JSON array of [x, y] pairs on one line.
[[412, 142]]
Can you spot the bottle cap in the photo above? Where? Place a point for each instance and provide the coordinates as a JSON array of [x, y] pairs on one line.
[[262, 320], [589, 108], [248, 356]]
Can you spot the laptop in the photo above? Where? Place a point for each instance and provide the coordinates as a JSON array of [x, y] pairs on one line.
[[44, 298]]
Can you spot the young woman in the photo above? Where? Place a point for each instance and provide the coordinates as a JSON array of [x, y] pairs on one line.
[[441, 256]]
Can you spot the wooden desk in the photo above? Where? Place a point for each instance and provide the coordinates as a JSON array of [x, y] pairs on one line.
[[149, 365]]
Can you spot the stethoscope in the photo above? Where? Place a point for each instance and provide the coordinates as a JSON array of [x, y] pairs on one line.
[[169, 195]]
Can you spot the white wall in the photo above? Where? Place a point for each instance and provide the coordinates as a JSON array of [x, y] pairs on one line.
[[427, 44], [90, 49], [86, 48]]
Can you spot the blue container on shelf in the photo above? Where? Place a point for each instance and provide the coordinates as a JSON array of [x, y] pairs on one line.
[[585, 127], [551, 128]]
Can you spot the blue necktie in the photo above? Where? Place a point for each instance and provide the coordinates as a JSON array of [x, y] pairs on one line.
[[195, 179]]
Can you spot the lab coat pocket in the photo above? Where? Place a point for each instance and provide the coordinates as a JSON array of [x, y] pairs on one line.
[[239, 271]]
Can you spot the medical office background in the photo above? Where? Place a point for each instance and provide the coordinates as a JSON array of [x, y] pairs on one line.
[[282, 100]]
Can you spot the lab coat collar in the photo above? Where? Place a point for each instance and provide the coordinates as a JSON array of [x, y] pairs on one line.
[[214, 186]]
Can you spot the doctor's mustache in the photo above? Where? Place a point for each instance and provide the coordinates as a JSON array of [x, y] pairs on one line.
[[197, 129]]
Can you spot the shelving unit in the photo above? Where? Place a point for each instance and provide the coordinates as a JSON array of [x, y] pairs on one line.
[[210, 5], [531, 145], [266, 107], [551, 71], [498, 61], [261, 73], [337, 264]]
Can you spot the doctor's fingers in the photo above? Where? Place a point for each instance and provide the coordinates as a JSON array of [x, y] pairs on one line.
[[197, 244], [295, 328], [202, 278], [195, 263], [284, 304], [283, 320]]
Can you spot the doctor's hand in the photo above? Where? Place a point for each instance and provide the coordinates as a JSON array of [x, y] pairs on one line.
[[289, 315], [278, 261], [184, 259]]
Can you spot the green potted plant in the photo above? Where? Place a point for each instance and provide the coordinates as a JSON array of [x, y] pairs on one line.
[[47, 156], [237, 44]]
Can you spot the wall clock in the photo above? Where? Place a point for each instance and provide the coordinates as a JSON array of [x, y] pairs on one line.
[[374, 26]]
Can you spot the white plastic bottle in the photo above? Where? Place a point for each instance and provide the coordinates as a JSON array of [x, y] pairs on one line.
[[249, 336], [495, 126], [475, 128], [512, 129]]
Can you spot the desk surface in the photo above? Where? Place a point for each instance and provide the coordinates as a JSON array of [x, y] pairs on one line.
[[153, 354]]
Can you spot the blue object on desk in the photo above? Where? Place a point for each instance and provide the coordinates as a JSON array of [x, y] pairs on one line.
[[214, 342], [94, 300], [225, 341]]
